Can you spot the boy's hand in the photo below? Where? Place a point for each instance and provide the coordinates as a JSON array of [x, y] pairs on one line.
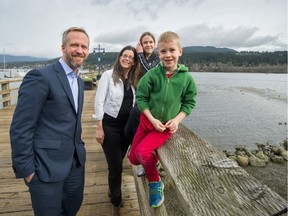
[[155, 122], [158, 125], [172, 125]]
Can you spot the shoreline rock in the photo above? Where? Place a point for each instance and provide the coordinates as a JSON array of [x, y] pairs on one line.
[[261, 156]]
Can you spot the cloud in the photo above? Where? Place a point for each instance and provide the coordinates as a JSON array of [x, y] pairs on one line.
[[34, 27], [143, 9], [241, 37], [101, 2], [115, 40]]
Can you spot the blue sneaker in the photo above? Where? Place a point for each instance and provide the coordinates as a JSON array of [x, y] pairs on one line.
[[156, 196]]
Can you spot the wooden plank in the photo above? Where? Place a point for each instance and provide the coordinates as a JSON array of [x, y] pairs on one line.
[[14, 195], [10, 80], [8, 91], [143, 197], [5, 99]]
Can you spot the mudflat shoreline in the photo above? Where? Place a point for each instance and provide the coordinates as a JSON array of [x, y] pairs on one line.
[[273, 175]]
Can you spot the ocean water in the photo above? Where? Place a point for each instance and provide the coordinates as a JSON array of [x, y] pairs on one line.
[[237, 109], [240, 109]]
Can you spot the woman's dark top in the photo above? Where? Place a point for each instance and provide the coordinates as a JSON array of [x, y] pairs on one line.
[[123, 112]]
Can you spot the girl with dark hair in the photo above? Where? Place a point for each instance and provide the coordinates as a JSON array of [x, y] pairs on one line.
[[114, 99], [147, 56], [148, 59]]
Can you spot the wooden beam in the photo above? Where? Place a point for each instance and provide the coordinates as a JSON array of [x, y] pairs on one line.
[[208, 183]]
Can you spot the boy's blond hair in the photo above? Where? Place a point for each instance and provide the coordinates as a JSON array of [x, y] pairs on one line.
[[169, 36]]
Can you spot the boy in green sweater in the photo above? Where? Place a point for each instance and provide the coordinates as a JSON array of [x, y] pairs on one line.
[[165, 95]]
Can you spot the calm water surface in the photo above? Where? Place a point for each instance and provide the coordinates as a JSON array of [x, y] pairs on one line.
[[240, 109]]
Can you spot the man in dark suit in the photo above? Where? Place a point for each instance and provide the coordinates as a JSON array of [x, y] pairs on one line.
[[47, 149]]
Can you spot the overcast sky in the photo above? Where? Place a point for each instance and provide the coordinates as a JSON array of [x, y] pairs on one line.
[[34, 27]]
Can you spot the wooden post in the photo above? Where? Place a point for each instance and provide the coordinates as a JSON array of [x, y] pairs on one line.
[[6, 90]]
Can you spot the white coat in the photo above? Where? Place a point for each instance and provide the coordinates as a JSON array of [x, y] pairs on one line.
[[109, 96]]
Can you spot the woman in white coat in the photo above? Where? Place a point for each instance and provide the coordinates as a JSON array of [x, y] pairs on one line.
[[114, 99]]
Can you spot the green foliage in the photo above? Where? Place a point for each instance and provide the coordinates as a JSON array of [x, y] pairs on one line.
[[262, 62], [88, 79], [108, 58], [244, 59]]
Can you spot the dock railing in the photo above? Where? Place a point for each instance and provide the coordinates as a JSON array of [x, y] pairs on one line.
[[9, 93], [206, 182]]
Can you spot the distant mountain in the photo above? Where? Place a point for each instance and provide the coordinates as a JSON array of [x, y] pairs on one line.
[[12, 58], [188, 49], [210, 49]]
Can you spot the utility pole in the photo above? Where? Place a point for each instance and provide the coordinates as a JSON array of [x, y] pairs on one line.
[[4, 59], [98, 50]]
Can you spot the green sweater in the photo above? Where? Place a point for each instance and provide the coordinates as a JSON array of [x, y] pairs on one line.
[[166, 98]]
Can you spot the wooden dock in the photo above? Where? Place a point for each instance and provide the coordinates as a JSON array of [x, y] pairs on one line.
[[14, 195], [200, 180]]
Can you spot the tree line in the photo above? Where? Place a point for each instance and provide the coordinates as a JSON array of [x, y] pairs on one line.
[[267, 62], [262, 62]]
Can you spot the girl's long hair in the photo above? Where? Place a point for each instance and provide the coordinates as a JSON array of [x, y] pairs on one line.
[[118, 71]]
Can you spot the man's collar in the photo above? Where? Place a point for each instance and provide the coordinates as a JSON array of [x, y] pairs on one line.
[[66, 67]]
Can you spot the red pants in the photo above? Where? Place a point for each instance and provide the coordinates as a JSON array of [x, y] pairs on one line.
[[145, 142]]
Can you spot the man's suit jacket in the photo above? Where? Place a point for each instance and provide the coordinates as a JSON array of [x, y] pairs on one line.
[[46, 131]]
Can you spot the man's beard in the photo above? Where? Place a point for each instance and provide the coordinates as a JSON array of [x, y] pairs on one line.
[[73, 63]]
